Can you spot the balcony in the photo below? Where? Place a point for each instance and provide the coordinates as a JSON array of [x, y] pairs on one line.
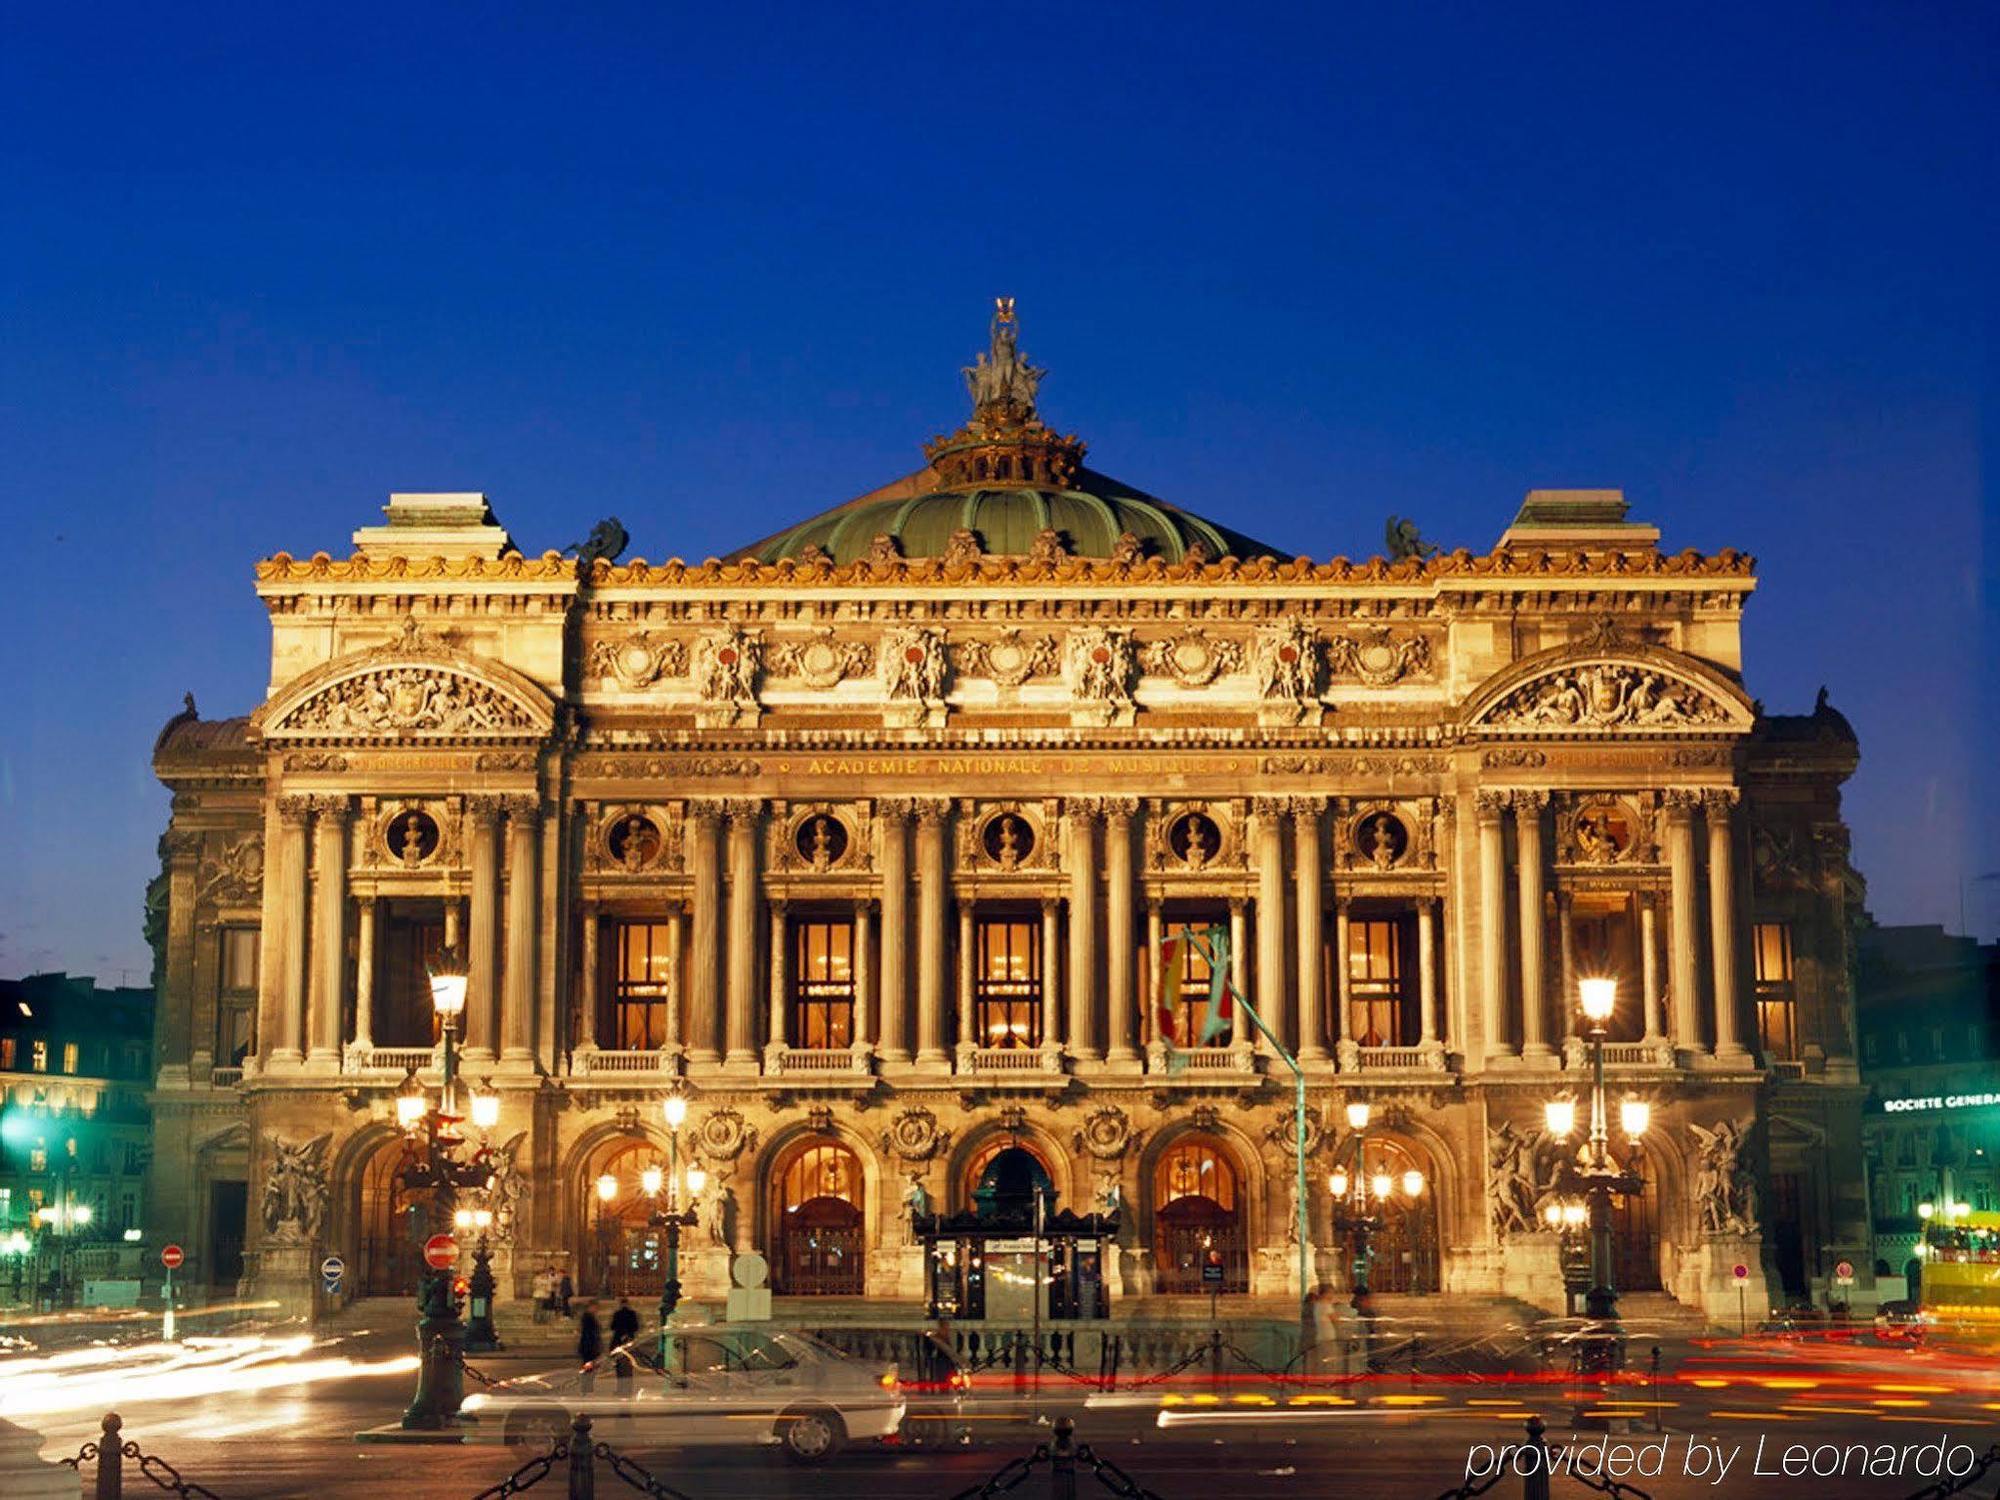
[[224, 1078], [1202, 1064], [633, 1066], [831, 1068], [1425, 1057]]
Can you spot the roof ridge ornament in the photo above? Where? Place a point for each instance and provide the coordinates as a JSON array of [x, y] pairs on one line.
[[1004, 444], [1001, 381]]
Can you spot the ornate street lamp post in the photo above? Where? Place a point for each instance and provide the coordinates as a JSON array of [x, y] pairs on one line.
[[1598, 1177], [1355, 1214], [672, 1217], [480, 1335], [431, 1166]]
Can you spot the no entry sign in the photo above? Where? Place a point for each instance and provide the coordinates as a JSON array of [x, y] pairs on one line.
[[1740, 1271], [171, 1256], [440, 1252]]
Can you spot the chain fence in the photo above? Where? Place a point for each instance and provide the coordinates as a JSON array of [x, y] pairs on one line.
[[1064, 1458], [1962, 1483], [109, 1453]]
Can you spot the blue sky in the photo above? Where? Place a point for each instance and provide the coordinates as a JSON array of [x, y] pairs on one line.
[[712, 268]]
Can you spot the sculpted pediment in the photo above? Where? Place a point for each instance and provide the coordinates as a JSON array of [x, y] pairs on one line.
[[417, 687], [1617, 689]]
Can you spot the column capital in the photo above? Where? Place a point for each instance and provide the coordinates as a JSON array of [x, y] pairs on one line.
[[329, 806], [1529, 801], [864, 906], [1269, 807], [1491, 802], [1306, 812], [1051, 905], [705, 812], [1679, 802], [933, 812], [295, 809], [1238, 905], [1118, 807], [743, 812], [181, 845], [894, 809], [777, 905], [521, 807], [1155, 905], [1083, 811], [1717, 800], [485, 807]]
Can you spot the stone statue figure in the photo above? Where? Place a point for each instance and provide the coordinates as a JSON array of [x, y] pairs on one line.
[[1002, 380], [1725, 1188], [717, 1212], [607, 539], [916, 1204], [295, 1191], [1517, 1179], [1401, 537]]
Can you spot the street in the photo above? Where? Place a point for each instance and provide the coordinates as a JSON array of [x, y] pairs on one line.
[[269, 1418]]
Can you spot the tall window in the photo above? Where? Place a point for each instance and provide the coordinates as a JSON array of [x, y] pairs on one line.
[[6, 1054], [411, 936], [1375, 982], [1007, 984], [641, 986], [70, 1057], [38, 1056], [1196, 976], [236, 998], [1777, 1007], [822, 984]]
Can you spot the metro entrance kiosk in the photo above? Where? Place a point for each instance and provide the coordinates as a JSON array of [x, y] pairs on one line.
[[983, 1266]]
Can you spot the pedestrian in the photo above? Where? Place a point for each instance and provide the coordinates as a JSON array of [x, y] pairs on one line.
[[565, 1289], [624, 1329], [589, 1345], [541, 1292]]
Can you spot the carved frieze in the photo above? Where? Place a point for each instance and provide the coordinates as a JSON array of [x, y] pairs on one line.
[[1098, 666], [725, 666], [407, 700], [637, 660], [1597, 830], [912, 664], [1379, 657], [234, 874], [1193, 658], [1606, 695], [723, 1136], [1009, 658], [1284, 661], [914, 1136], [822, 658]]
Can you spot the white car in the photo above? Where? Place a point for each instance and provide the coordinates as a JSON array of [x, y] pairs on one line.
[[723, 1384]]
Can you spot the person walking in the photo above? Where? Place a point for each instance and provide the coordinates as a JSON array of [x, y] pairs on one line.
[[565, 1289], [542, 1294], [589, 1345], [624, 1329]]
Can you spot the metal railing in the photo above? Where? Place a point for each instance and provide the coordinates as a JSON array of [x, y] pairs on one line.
[[822, 1060], [109, 1453], [1013, 1060]]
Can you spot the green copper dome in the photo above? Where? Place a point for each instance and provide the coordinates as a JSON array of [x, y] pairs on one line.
[[1004, 481]]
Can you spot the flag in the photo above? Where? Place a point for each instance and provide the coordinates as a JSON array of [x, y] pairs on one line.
[[1173, 968], [1221, 1012]]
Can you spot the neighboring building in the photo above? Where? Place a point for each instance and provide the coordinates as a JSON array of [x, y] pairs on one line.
[[75, 1131], [1930, 1054], [869, 835]]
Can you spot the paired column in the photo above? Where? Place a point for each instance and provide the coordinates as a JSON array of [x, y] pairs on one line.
[[933, 882], [1312, 944], [1120, 984], [744, 819], [517, 1015], [1051, 975], [1156, 932], [1082, 821], [181, 1003], [776, 1038], [283, 1038], [966, 1040], [1493, 922], [705, 957], [482, 1001], [1427, 986], [864, 972], [1682, 983], [1239, 963], [1269, 846], [586, 1002], [1649, 963], [1722, 920], [327, 996], [1343, 969], [893, 819], [364, 975], [1566, 937], [1528, 806]]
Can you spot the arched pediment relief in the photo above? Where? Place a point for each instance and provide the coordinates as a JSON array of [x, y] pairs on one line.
[[1622, 689], [417, 687]]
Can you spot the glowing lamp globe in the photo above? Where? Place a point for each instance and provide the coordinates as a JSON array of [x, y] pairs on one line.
[[607, 1188], [1635, 1115], [1554, 1214], [482, 1219], [1357, 1114], [80, 1214], [651, 1180], [675, 1108], [1413, 1183], [1573, 1214], [696, 1181], [462, 1219], [485, 1110], [1383, 1184], [1599, 997], [1560, 1115], [1925, 1210], [1337, 1184]]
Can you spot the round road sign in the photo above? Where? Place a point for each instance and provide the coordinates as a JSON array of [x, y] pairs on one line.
[[1740, 1271], [1844, 1270], [171, 1256], [440, 1252], [332, 1267]]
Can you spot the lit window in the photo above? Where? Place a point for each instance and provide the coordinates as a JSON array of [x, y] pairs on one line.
[[236, 999], [1375, 983], [69, 1057], [38, 1058], [642, 985], [1007, 984], [1777, 1003], [6, 1054], [822, 984], [38, 1157]]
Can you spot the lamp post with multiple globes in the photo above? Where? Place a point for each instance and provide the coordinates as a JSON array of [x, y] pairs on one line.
[[1359, 1198], [1598, 1177], [432, 1175], [671, 1216]]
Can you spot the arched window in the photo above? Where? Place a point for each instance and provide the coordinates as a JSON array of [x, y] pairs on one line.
[[1403, 1248], [1198, 1235], [394, 1221], [1002, 1181], [819, 1234], [624, 1253]]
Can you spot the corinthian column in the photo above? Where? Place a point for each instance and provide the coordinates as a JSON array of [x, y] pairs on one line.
[[1312, 944], [1427, 997], [482, 1004], [1722, 921], [1082, 821], [1493, 924], [705, 951], [517, 1013], [1682, 993], [1649, 964], [282, 1039], [775, 1037], [364, 977], [1051, 982], [1534, 989], [1268, 841], [1239, 967], [864, 973], [328, 997], [933, 880], [965, 1040], [586, 1004], [1121, 993], [892, 817], [744, 819]]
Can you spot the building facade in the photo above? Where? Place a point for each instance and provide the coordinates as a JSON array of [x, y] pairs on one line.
[[1929, 1018], [75, 1134], [869, 835]]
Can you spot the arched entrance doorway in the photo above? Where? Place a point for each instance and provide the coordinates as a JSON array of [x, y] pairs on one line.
[[1003, 1180], [1403, 1250], [1635, 1247], [820, 1224], [1198, 1220], [623, 1253], [392, 1219]]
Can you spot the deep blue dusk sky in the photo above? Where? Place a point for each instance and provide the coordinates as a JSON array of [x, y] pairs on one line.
[[711, 268]]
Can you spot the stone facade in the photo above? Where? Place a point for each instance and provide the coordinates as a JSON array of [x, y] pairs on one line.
[[871, 843]]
